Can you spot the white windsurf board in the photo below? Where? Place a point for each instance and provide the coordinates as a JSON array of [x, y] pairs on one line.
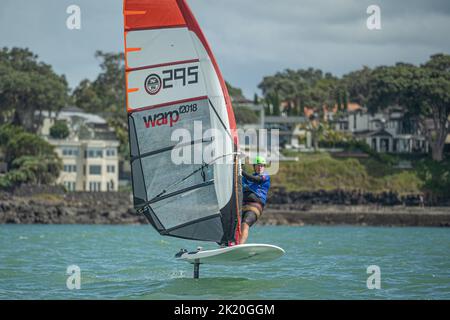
[[234, 255]]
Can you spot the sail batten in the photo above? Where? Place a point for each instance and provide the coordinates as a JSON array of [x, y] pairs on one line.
[[173, 83]]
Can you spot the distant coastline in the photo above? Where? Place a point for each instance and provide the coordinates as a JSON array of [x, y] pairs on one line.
[[116, 208]]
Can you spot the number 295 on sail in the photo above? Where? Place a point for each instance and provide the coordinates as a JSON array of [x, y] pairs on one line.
[[185, 75]]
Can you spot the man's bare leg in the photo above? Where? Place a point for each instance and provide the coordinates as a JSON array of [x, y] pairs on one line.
[[244, 232]]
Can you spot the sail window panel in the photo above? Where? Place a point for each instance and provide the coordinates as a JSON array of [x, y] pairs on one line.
[[153, 135], [159, 46], [209, 229], [161, 173], [186, 207]]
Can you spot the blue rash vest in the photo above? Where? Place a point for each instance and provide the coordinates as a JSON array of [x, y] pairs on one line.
[[259, 189]]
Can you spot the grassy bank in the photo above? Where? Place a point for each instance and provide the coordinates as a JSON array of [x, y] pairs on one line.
[[322, 171]]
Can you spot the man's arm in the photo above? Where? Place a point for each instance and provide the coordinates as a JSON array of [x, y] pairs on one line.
[[256, 179]]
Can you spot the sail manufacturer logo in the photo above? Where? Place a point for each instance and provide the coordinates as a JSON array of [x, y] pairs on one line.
[[153, 84], [168, 118], [162, 119]]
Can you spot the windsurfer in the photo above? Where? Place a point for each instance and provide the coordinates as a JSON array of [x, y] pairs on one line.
[[255, 187]]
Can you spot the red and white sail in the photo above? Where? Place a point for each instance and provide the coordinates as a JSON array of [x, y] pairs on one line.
[[172, 82]]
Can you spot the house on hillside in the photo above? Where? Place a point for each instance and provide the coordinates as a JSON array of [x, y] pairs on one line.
[[385, 131], [288, 128], [329, 114], [89, 153]]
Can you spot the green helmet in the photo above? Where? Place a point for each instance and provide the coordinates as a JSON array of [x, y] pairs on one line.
[[260, 160]]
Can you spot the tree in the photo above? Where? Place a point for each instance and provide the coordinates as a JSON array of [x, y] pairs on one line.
[[106, 95], [255, 99], [85, 97], [425, 93], [317, 130], [233, 91], [245, 115], [357, 84], [29, 158], [27, 87], [300, 88], [59, 130]]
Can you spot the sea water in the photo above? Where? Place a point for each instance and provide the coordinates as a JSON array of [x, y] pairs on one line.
[[135, 262]]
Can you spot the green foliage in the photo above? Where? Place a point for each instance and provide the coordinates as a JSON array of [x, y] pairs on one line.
[[233, 91], [17, 143], [30, 159], [423, 90], [404, 182], [334, 139], [300, 88], [245, 115], [106, 94], [59, 130], [86, 97], [121, 130], [436, 176], [319, 171], [32, 169], [27, 86], [357, 85], [255, 99]]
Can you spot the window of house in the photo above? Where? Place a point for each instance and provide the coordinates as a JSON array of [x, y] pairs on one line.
[[96, 170], [94, 153], [70, 168], [110, 152], [68, 151], [70, 185], [110, 169], [94, 186]]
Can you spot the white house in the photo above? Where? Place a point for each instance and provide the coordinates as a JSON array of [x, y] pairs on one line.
[[89, 154], [387, 131]]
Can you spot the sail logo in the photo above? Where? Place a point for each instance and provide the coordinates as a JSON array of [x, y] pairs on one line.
[[153, 84], [162, 119], [168, 118]]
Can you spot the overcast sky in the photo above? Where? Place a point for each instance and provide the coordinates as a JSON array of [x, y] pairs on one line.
[[250, 38]]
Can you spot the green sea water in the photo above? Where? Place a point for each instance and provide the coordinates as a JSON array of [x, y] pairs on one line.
[[134, 262]]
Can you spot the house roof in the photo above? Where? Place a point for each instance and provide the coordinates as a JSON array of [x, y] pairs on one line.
[[351, 107], [72, 109], [70, 112], [281, 119], [369, 133]]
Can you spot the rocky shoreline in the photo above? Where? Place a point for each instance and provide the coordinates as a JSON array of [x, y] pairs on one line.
[[363, 215], [284, 209]]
